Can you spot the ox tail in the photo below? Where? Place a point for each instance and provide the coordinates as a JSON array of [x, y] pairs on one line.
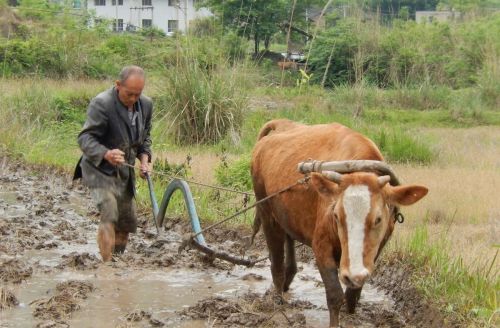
[[256, 227], [275, 125]]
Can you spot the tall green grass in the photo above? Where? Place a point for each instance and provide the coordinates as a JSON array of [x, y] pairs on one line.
[[472, 294], [203, 96]]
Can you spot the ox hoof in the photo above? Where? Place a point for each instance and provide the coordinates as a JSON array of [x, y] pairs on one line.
[[278, 300]]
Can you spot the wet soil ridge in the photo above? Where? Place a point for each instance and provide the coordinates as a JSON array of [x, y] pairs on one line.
[[79, 261], [14, 270], [65, 301], [250, 310], [7, 299], [393, 275]]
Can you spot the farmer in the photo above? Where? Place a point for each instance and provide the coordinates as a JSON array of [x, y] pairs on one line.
[[116, 132]]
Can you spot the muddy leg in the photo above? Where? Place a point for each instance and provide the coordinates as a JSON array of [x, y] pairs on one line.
[[334, 293], [106, 240], [275, 238], [291, 264], [352, 298], [121, 239]]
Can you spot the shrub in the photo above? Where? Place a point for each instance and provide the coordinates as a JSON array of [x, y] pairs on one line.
[[407, 54], [235, 174], [204, 100], [399, 146], [204, 27], [235, 47]]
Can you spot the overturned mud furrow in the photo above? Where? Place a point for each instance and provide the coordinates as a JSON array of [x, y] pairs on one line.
[[48, 228]]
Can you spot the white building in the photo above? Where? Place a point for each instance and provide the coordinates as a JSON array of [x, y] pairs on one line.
[[167, 15]]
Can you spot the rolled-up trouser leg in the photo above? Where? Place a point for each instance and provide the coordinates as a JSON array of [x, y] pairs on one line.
[[107, 206]]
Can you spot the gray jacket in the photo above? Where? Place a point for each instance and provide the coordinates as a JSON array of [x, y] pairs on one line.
[[108, 127]]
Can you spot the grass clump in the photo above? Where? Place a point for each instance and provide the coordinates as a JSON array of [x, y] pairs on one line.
[[474, 295], [235, 174], [204, 101], [402, 147]]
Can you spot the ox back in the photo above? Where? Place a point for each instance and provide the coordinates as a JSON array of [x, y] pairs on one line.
[[281, 146]]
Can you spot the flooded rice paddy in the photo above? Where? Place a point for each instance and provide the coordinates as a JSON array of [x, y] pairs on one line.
[[49, 263]]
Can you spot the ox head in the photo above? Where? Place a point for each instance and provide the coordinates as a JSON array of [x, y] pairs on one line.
[[361, 207]]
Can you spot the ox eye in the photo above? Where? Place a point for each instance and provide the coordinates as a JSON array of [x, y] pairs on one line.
[[378, 220]]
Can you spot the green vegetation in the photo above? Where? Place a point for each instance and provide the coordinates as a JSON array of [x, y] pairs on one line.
[[392, 81], [204, 100], [46, 39], [407, 54], [473, 294]]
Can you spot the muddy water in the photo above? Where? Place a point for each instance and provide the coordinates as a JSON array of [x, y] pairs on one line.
[[51, 229], [164, 292]]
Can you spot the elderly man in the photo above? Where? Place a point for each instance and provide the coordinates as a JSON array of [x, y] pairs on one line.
[[116, 132]]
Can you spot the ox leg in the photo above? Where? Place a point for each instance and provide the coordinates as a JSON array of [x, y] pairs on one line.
[[275, 238], [334, 293], [290, 263], [352, 297]]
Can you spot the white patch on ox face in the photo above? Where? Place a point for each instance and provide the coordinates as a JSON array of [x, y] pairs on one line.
[[356, 208]]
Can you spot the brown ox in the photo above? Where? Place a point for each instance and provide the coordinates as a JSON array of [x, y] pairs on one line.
[[346, 219]]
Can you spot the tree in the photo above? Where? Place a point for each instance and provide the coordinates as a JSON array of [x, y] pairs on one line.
[[257, 19]]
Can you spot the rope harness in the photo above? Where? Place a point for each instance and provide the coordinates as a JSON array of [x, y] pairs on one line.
[[190, 239]]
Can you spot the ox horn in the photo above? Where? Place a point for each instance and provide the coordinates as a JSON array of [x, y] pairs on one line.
[[333, 176], [383, 180], [378, 167]]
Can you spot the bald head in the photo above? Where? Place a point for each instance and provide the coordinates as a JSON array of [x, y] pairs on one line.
[[129, 71], [130, 84]]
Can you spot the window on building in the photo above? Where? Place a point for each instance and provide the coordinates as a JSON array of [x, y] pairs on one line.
[[120, 2], [147, 23], [118, 26], [99, 2], [147, 2], [173, 3], [173, 25]]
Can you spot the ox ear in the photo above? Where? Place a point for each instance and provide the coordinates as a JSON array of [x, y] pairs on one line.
[[323, 186], [406, 195]]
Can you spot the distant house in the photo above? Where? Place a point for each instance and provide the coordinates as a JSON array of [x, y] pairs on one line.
[[436, 16], [167, 15]]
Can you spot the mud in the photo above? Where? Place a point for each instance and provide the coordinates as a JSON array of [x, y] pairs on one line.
[[393, 276], [66, 301], [7, 299], [50, 263], [250, 310], [14, 270]]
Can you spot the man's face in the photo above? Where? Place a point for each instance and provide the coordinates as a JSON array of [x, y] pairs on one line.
[[130, 91]]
